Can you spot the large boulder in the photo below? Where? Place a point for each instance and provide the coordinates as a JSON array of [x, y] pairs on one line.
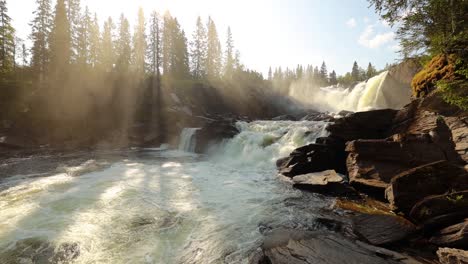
[[382, 229], [455, 236], [452, 256], [284, 246], [363, 125], [459, 134], [214, 131], [411, 186], [373, 163], [429, 208], [327, 154], [326, 183]]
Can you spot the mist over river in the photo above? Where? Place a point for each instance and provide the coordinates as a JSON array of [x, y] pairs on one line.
[[157, 205]]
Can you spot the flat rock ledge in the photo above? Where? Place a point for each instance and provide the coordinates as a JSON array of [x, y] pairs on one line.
[[283, 246]]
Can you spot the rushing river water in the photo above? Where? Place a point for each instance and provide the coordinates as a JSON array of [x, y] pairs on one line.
[[155, 205]]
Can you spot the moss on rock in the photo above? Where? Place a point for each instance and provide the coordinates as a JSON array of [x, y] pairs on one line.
[[441, 67]]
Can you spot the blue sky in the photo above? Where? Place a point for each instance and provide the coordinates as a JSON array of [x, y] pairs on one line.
[[268, 32]]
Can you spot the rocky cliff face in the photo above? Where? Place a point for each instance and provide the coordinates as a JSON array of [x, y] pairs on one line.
[[415, 160]]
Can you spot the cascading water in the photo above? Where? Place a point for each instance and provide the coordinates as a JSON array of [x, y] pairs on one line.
[[187, 139], [379, 92], [157, 206]]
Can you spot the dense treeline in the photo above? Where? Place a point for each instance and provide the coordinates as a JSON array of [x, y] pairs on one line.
[[319, 77], [77, 76]]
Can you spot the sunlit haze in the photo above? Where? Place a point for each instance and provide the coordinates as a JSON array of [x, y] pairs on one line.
[[267, 32]]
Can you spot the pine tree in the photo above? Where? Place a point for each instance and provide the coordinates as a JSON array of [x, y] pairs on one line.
[[139, 44], [182, 67], [229, 57], [94, 42], [7, 40], [155, 45], [213, 58], [355, 74], [324, 73], [333, 78], [316, 75], [167, 44], [108, 49], [123, 46], [83, 46], [237, 63], [371, 71], [41, 29], [76, 25], [299, 72], [198, 50], [60, 41]]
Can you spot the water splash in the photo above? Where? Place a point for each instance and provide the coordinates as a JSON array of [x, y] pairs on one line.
[[166, 207], [188, 140], [379, 92]]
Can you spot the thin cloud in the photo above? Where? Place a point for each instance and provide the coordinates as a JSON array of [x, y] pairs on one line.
[[373, 40], [351, 23]]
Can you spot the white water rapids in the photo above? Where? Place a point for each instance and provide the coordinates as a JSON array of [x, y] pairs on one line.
[[379, 92], [156, 206]]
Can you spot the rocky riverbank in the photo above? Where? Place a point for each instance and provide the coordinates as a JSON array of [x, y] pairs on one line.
[[401, 177]]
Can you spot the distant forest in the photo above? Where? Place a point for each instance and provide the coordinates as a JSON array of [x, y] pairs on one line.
[[78, 75]]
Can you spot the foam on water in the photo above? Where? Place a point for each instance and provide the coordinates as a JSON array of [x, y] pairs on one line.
[[168, 207]]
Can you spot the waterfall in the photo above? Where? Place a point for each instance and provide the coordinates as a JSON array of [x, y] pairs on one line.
[[379, 92], [260, 143], [187, 139]]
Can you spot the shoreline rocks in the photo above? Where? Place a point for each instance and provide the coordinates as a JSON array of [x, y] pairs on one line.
[[414, 159]]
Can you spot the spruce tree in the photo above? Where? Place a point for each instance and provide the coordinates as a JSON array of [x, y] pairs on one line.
[[155, 45], [182, 64], [371, 71], [198, 50], [140, 44], [108, 49], [123, 46], [355, 74], [229, 57], [60, 41], [7, 40], [324, 73], [82, 47], [94, 42], [41, 29], [333, 78], [213, 58], [167, 43], [76, 24]]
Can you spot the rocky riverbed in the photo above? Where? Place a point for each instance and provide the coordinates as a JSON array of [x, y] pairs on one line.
[[404, 185]]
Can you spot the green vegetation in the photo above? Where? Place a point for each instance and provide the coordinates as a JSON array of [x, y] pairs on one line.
[[78, 80], [438, 29]]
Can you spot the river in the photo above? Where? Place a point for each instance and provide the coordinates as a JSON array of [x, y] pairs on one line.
[[157, 205]]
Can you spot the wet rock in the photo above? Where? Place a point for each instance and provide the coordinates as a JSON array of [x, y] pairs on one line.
[[363, 125], [452, 256], [35, 250], [284, 118], [437, 178], [444, 220], [455, 236], [214, 132], [314, 158], [381, 229], [454, 204], [459, 134], [300, 247], [327, 183]]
